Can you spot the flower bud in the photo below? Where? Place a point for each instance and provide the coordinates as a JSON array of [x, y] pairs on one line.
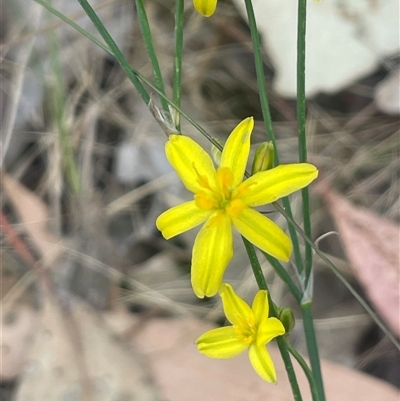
[[286, 316], [205, 7], [216, 153], [264, 158]]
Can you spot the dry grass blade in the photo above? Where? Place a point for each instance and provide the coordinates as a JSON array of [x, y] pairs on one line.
[[125, 202]]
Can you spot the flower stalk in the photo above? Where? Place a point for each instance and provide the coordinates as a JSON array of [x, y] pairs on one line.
[[282, 344], [149, 43], [308, 321], [269, 130], [177, 80]]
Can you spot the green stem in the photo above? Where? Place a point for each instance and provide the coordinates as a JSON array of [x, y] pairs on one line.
[[255, 264], [259, 65], [262, 285], [307, 371], [179, 10], [149, 43], [116, 52], [285, 277], [312, 347], [308, 322], [279, 269], [293, 236], [289, 368], [313, 350], [58, 106], [301, 69], [301, 123], [260, 76]]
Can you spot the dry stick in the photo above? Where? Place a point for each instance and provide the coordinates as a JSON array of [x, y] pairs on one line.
[[11, 111], [15, 241]]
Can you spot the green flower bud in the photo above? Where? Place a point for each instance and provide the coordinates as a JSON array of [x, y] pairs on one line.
[[286, 316], [264, 158], [216, 153]]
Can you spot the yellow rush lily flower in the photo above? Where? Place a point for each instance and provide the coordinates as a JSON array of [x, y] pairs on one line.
[[205, 7], [221, 200], [251, 329]]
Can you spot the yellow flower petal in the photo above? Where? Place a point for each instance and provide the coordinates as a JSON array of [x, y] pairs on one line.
[[262, 363], [220, 343], [236, 149], [205, 7], [212, 252], [269, 329], [260, 306], [263, 233], [268, 186], [236, 310], [181, 218], [193, 165]]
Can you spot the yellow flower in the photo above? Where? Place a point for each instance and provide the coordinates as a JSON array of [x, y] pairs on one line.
[[251, 329], [205, 7], [221, 200]]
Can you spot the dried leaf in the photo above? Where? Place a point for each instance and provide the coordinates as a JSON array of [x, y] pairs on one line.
[[372, 245], [34, 218], [17, 327], [76, 357]]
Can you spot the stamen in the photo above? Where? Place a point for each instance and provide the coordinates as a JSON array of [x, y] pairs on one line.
[[243, 189], [225, 180], [245, 334], [235, 207], [203, 182], [204, 201]]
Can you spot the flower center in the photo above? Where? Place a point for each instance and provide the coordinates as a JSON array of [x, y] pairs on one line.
[[246, 332], [224, 196]]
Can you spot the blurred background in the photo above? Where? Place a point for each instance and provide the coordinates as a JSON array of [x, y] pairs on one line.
[[83, 268]]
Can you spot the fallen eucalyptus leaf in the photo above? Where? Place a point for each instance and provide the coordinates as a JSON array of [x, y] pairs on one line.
[[372, 245]]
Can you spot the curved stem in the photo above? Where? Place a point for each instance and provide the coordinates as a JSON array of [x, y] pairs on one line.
[[72, 24], [306, 369], [329, 263]]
